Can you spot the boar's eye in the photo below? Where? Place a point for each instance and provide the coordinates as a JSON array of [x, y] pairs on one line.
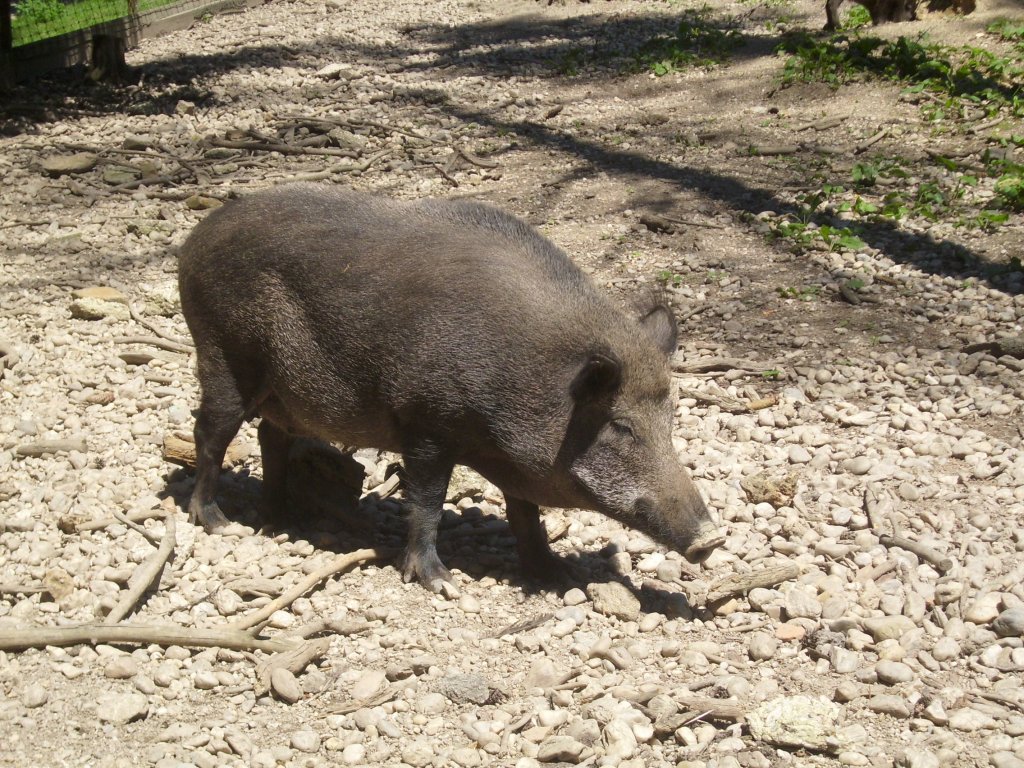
[[623, 428]]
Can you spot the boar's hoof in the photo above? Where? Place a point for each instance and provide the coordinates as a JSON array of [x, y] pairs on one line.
[[427, 569], [549, 568], [708, 539], [207, 515]]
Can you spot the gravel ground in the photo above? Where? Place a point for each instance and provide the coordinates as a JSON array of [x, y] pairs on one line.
[[867, 608]]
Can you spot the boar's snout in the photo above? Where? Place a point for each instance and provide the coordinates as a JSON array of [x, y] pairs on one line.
[[709, 537]]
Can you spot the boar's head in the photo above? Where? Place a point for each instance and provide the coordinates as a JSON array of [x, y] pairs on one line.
[[619, 450]]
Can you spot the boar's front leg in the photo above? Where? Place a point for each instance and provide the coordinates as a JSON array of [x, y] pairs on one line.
[[427, 472], [536, 560]]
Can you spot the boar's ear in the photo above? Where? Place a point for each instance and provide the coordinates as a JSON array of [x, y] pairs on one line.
[[660, 324], [600, 375]]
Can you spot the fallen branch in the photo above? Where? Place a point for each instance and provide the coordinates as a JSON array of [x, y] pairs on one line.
[[68, 524], [741, 583], [162, 343], [709, 364], [523, 626], [146, 574], [476, 160], [347, 707], [181, 450], [870, 141], [43, 447], [876, 505], [768, 150], [335, 169], [726, 402], [141, 530], [340, 564], [335, 626], [941, 562], [19, 589], [274, 146], [139, 634], [294, 660]]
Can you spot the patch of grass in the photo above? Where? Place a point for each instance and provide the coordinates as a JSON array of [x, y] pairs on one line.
[[669, 278], [964, 75], [858, 17], [800, 293], [696, 42]]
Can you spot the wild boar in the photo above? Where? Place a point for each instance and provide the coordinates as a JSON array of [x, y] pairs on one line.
[[449, 332]]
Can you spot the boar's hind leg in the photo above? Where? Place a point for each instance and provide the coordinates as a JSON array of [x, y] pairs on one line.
[[221, 412], [536, 560], [426, 476], [275, 445]]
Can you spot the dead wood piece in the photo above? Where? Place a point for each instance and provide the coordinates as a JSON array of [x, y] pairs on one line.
[[1012, 346], [826, 124], [270, 145], [334, 626], [140, 358], [726, 402], [524, 626], [941, 562], [294, 660], [870, 141], [44, 447], [849, 294], [148, 181], [340, 564], [387, 488], [177, 345], [874, 573], [476, 160], [768, 150], [167, 344], [180, 449], [151, 537], [68, 524], [138, 634], [657, 223], [712, 709], [741, 583], [339, 168], [709, 364], [877, 506], [351, 705], [147, 573], [20, 589], [255, 586]]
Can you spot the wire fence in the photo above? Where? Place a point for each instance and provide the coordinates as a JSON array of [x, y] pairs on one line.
[[37, 36], [33, 20]]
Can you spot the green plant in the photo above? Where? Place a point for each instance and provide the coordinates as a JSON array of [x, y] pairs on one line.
[[696, 42], [668, 278], [865, 174], [771, 374], [858, 17], [1010, 190], [837, 238], [964, 74], [800, 293]]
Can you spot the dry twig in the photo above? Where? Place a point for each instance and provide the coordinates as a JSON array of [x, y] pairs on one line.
[[139, 634], [340, 564], [146, 574]]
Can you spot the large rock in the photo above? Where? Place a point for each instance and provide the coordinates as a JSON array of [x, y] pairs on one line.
[[804, 722], [614, 599]]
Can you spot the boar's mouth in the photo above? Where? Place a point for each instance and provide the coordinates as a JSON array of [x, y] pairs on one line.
[[708, 539], [694, 545]]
